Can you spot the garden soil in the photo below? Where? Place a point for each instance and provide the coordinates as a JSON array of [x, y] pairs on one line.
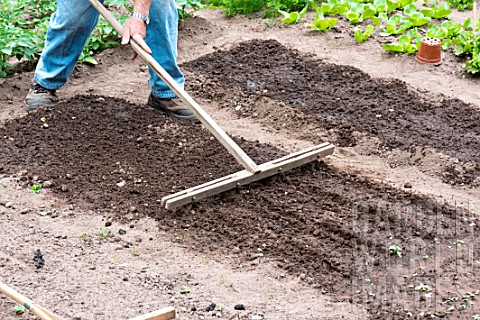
[[385, 227]]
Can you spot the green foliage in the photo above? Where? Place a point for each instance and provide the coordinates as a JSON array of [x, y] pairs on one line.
[[465, 43], [354, 14], [473, 65], [285, 5], [453, 28], [19, 38], [35, 188], [333, 7], [395, 250], [24, 23], [322, 24], [105, 233], [185, 290], [234, 7], [422, 287], [436, 32], [293, 17], [184, 4], [19, 309], [437, 12], [417, 19], [102, 38], [363, 36], [461, 5], [397, 24], [407, 43]]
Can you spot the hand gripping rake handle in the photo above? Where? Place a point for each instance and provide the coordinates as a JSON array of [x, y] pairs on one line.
[[206, 120]]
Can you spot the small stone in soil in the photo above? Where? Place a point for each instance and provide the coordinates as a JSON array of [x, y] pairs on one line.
[[122, 232], [38, 259], [239, 307], [193, 309], [108, 223], [47, 184], [407, 185], [211, 307]]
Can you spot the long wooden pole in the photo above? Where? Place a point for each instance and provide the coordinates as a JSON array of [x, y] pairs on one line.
[[474, 14], [204, 117], [27, 303]]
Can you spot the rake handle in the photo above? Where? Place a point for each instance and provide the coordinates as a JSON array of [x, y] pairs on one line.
[[24, 301], [206, 120]]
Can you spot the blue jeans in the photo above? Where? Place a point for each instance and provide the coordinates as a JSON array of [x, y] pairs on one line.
[[71, 25]]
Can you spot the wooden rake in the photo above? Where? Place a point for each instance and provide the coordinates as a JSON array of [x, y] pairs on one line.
[[44, 314], [252, 172]]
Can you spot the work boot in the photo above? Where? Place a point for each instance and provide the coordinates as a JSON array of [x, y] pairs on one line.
[[38, 97], [172, 107]]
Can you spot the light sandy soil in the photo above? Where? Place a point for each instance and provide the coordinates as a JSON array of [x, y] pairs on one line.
[[108, 280]]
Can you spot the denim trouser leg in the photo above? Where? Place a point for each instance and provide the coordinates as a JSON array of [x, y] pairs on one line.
[[68, 31], [73, 22], [162, 36]]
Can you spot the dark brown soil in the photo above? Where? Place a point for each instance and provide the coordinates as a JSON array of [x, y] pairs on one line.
[[330, 228], [343, 99], [105, 142]]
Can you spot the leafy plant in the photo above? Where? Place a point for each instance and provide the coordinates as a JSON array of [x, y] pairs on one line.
[[322, 24], [87, 239], [234, 7], [363, 36], [19, 309], [355, 13], [473, 65], [105, 233], [436, 32], [430, 3], [134, 251], [395, 250], [294, 16], [422, 287], [333, 7], [2, 186], [24, 23], [185, 290], [465, 43], [197, 5], [407, 43], [397, 24], [416, 18], [437, 12], [453, 28], [461, 5], [222, 280], [35, 188]]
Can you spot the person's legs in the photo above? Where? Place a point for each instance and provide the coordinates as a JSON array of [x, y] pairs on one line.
[[162, 36], [68, 31]]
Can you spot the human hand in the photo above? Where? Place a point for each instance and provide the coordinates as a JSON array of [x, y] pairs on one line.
[[135, 29]]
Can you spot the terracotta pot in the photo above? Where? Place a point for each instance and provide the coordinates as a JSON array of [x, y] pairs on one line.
[[430, 51]]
